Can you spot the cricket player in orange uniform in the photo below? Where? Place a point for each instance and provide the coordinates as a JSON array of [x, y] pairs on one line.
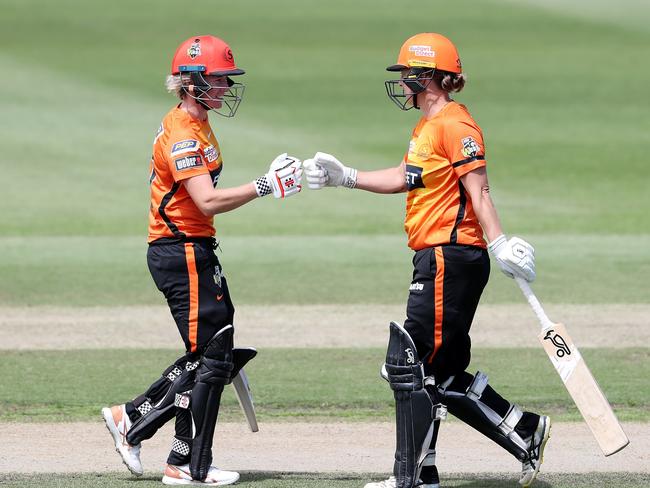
[[184, 173], [448, 212]]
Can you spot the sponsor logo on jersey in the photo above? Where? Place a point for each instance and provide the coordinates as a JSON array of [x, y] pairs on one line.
[[470, 147], [188, 145], [413, 177], [211, 153], [195, 49], [188, 162], [416, 287], [412, 147]]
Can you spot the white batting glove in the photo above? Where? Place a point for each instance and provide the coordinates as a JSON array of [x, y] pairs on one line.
[[516, 257], [283, 178], [315, 175], [325, 170]]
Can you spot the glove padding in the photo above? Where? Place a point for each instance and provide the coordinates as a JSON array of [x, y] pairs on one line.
[[283, 178], [325, 170], [515, 257]]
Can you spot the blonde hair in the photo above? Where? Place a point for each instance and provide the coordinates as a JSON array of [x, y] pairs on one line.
[[450, 82], [174, 84]]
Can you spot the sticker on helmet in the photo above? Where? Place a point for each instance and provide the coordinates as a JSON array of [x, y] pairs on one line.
[[421, 50], [228, 54], [187, 162], [470, 147], [195, 49], [188, 145]]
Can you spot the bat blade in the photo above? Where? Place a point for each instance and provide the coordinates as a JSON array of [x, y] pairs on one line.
[[583, 388], [245, 398]]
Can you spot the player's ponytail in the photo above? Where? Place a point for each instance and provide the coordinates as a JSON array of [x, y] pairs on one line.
[[450, 82]]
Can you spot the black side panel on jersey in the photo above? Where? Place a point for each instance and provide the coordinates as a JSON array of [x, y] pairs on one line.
[[161, 210]]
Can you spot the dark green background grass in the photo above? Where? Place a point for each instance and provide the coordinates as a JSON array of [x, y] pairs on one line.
[[87, 271], [561, 94], [309, 480], [303, 384]]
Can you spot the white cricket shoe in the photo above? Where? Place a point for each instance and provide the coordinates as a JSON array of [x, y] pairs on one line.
[[389, 483], [530, 467], [118, 424], [392, 483], [180, 475]]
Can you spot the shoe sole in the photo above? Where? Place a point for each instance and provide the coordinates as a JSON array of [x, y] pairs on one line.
[[168, 480], [545, 438], [107, 416]]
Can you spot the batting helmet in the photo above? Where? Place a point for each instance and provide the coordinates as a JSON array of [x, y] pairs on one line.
[[421, 55], [205, 54], [202, 56], [428, 50]]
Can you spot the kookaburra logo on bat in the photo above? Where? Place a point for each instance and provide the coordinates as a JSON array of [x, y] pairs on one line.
[[558, 341]]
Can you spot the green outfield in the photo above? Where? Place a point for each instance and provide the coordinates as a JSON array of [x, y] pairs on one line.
[[347, 386], [566, 144], [83, 271]]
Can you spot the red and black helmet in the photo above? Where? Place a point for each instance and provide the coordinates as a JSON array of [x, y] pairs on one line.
[[205, 54], [201, 56]]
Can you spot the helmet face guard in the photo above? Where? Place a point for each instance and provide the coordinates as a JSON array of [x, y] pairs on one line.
[[403, 92], [230, 96]]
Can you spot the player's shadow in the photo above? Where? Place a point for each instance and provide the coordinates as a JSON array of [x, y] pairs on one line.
[[336, 480], [489, 483]]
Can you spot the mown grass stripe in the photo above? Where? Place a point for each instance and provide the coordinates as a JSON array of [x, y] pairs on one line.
[[302, 383]]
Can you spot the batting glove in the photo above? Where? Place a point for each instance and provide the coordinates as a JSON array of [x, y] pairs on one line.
[[516, 257], [283, 178], [325, 170]]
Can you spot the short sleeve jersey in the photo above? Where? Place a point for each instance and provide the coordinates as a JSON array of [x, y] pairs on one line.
[[184, 147], [438, 208]]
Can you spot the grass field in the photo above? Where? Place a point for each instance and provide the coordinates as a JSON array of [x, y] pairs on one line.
[[347, 387], [560, 90], [565, 145]]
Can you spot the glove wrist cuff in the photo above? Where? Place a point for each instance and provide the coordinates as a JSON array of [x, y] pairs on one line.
[[349, 178], [263, 186], [495, 246]]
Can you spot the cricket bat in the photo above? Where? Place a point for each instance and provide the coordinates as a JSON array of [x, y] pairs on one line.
[[577, 378]]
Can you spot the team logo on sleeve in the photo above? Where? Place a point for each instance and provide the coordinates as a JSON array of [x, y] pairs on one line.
[[470, 147], [211, 153], [188, 145], [188, 162]]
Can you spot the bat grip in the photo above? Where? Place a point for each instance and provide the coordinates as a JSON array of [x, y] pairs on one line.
[[534, 303]]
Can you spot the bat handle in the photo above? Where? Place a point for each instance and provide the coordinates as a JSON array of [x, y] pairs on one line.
[[534, 303]]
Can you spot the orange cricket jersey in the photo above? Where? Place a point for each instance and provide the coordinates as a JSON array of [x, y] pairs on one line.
[[438, 208], [184, 147]]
